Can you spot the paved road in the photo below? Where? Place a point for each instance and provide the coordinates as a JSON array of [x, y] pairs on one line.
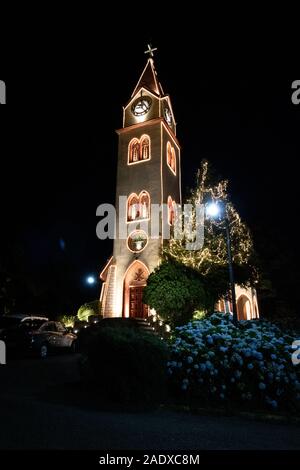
[[38, 411]]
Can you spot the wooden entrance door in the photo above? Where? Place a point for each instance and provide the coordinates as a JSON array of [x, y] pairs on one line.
[[137, 308]]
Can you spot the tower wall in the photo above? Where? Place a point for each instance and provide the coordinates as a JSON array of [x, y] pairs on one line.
[[134, 176]]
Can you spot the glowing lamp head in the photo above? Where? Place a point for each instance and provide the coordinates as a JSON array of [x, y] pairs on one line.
[[90, 280], [213, 210]]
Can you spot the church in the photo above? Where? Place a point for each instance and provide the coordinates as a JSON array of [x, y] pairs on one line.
[[148, 172]]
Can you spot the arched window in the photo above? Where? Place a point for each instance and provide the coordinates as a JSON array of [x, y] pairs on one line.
[[144, 205], [169, 154], [145, 148], [139, 149], [132, 207], [171, 210], [134, 151], [173, 160], [138, 207], [171, 157], [244, 309]]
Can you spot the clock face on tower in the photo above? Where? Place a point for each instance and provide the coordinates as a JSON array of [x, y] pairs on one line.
[[168, 115], [141, 106]]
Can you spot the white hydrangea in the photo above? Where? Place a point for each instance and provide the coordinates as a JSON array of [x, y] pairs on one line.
[[251, 360]]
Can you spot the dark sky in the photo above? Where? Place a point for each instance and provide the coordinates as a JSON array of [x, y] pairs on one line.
[[59, 150]]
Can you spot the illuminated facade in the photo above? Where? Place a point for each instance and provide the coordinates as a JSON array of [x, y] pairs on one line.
[[148, 173], [246, 303]]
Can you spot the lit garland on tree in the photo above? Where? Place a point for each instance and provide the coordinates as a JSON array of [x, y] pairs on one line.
[[213, 254]]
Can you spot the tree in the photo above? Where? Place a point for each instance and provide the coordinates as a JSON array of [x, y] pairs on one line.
[[175, 291], [188, 280], [88, 309], [211, 259]]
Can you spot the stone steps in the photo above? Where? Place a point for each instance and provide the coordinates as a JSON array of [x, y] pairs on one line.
[[144, 325]]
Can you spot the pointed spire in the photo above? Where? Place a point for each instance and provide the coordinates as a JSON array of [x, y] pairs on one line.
[[148, 80]]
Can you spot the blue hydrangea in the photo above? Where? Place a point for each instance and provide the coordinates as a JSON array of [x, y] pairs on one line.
[[214, 354], [258, 356]]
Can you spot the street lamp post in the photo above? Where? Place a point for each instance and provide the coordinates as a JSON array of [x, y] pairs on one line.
[[231, 274], [213, 210]]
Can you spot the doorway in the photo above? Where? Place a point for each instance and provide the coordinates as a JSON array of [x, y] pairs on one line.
[[137, 309], [135, 280]]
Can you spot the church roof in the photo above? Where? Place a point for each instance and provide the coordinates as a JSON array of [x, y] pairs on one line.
[[148, 80], [103, 274]]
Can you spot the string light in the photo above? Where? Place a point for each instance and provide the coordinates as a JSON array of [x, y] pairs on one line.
[[214, 251]]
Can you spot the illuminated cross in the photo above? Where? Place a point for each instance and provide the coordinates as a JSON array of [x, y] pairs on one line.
[[150, 50]]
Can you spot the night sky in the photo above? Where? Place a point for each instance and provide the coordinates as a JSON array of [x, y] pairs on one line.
[[59, 155]]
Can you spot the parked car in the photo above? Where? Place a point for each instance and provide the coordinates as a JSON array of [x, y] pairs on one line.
[[10, 323], [35, 334], [52, 336]]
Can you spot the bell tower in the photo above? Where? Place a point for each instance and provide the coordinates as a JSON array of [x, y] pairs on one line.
[[148, 173]]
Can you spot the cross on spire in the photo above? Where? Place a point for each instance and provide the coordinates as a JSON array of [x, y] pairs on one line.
[[150, 50]]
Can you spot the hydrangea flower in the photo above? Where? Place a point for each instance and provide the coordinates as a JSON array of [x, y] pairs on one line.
[[214, 353]]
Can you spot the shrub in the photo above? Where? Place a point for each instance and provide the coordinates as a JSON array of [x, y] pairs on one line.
[[128, 365], [175, 291], [214, 361], [68, 320], [88, 309]]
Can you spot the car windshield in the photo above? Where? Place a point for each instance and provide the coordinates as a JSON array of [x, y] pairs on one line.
[[32, 324], [8, 322]]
